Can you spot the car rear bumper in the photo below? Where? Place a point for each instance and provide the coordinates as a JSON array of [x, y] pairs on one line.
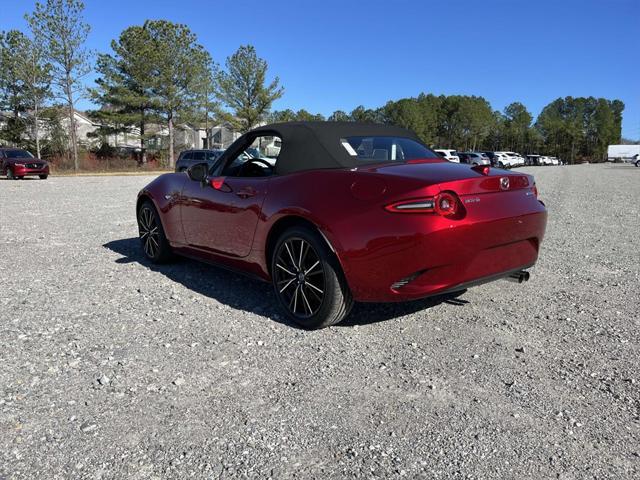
[[443, 258]]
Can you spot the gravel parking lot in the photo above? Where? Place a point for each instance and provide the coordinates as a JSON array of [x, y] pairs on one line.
[[114, 368]]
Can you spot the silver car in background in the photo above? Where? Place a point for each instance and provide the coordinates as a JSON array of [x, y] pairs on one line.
[[474, 158]]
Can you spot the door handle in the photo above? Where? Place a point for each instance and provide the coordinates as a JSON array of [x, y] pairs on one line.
[[246, 192]]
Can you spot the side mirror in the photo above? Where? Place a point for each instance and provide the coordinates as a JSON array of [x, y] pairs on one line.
[[198, 172]]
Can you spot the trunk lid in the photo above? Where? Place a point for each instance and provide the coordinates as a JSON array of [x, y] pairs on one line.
[[459, 178]]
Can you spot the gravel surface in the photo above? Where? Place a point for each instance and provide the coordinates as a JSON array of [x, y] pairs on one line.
[[114, 368]]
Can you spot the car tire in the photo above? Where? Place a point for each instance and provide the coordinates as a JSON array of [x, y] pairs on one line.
[[500, 165], [10, 175], [152, 237], [638, 163], [43, 177], [308, 281]]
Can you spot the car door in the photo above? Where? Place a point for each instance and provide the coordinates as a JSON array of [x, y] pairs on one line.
[[224, 219], [221, 214]]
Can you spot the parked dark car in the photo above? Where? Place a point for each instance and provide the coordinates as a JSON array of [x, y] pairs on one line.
[[192, 157], [17, 163]]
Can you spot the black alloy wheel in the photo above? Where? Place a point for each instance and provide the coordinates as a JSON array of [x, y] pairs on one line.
[[300, 277], [308, 281], [154, 242]]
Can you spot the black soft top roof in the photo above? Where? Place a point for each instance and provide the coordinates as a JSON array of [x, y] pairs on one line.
[[313, 145]]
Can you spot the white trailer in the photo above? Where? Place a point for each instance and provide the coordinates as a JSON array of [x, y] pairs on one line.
[[624, 153]]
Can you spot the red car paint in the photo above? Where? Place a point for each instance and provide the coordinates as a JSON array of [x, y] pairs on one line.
[[496, 229], [22, 167]]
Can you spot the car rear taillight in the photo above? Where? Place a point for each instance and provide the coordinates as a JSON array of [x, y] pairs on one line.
[[535, 190], [445, 204], [422, 205]]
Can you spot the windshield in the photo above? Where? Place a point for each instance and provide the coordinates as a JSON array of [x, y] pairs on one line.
[[385, 149], [17, 154]]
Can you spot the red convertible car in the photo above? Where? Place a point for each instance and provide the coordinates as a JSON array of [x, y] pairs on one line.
[[16, 163], [333, 213]]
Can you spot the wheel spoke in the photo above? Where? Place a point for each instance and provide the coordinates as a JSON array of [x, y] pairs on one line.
[[145, 218], [293, 262], [318, 297], [312, 267], [309, 284], [303, 249], [281, 267], [306, 302], [294, 299], [149, 247], [287, 285]]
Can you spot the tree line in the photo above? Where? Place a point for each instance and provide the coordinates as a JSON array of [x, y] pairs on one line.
[[158, 73], [569, 128]]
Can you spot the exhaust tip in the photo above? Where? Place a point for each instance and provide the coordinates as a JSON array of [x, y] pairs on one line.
[[519, 277]]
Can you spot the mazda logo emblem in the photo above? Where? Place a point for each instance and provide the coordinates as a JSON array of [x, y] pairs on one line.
[[504, 183]]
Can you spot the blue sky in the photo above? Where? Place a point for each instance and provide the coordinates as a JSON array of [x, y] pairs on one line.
[[334, 55]]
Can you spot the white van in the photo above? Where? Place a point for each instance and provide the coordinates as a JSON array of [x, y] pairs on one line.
[[623, 153]]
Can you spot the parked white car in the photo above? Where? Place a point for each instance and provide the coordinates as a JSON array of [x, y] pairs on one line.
[[448, 154], [517, 158], [505, 160]]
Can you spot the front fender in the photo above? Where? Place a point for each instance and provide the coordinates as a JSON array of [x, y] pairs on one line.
[[166, 192]]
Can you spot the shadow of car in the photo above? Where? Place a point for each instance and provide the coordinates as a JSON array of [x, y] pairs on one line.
[[230, 288]]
